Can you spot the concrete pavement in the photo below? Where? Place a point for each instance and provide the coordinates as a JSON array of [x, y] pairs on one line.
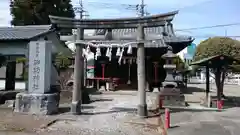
[[206, 123]]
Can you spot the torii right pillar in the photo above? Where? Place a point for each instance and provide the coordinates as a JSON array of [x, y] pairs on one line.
[[142, 106]]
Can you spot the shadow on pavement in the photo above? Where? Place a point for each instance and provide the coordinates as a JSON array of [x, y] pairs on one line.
[[190, 90], [113, 110], [101, 100], [62, 110], [229, 102]]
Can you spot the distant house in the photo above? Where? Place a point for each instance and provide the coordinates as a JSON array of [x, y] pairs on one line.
[[14, 43]]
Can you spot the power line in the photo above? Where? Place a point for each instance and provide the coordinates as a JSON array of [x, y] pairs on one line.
[[131, 7], [209, 27], [197, 4]]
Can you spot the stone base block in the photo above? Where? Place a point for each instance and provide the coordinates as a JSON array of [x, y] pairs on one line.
[[177, 100], [206, 102], [76, 107], [155, 89], [40, 104], [102, 88], [142, 110]]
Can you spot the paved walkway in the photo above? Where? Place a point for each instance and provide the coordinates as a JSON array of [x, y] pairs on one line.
[[209, 122], [206, 123]]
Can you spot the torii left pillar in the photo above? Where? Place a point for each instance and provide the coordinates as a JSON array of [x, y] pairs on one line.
[[142, 106], [78, 73]]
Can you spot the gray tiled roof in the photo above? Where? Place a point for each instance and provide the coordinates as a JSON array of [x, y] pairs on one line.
[[23, 32], [151, 30], [164, 34]]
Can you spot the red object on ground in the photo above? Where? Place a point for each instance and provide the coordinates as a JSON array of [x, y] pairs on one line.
[[220, 104], [160, 102], [103, 71], [167, 118]]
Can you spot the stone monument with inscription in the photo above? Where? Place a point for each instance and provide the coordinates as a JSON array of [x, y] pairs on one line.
[[40, 98]]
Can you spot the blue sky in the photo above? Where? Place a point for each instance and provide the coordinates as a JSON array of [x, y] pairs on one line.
[[192, 13]]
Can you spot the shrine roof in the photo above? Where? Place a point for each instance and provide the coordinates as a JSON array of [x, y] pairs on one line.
[[215, 61], [23, 32], [151, 33]]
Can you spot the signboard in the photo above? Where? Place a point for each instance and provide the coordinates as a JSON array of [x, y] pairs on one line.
[[191, 49]]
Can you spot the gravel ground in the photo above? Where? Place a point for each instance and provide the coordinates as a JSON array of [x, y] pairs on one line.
[[109, 115]]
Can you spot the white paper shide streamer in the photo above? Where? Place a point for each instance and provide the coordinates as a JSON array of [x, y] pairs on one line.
[[129, 51], [98, 53], [109, 53], [121, 55], [118, 53]]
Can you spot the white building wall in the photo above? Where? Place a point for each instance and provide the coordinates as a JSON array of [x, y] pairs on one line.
[[181, 54]]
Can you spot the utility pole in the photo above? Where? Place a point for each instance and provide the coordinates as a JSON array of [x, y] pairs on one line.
[[80, 10], [142, 8]]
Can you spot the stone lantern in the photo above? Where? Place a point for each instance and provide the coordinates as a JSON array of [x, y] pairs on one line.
[[169, 65], [170, 93]]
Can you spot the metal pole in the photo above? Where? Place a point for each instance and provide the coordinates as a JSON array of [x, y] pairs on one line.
[[142, 8]]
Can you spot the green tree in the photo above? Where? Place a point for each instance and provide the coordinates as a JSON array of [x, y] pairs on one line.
[[62, 62], [36, 12], [181, 65], [218, 46]]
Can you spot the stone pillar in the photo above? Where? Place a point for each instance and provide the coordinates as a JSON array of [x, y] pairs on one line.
[[10, 75], [78, 75], [142, 106], [40, 99]]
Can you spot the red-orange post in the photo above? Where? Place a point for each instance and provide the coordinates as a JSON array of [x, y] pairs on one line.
[[167, 118], [220, 104]]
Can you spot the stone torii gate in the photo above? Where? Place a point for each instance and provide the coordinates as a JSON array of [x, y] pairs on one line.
[[138, 23]]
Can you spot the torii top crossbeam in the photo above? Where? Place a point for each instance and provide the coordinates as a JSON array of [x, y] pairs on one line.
[[148, 21], [156, 28]]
